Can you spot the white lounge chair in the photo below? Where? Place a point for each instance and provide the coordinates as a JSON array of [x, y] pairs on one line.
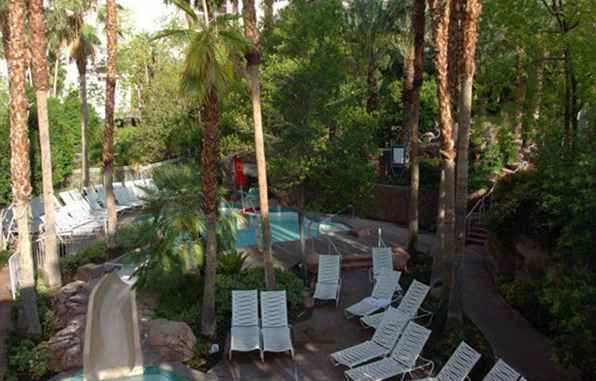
[[328, 286], [404, 359], [275, 329], [458, 366], [382, 260], [501, 371], [101, 196], [379, 345], [245, 332], [409, 305], [125, 196], [383, 294]]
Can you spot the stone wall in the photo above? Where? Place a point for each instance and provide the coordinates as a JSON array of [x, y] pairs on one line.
[[390, 203]]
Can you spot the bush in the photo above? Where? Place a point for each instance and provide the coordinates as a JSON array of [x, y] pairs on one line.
[[231, 263], [28, 361], [97, 253], [4, 256]]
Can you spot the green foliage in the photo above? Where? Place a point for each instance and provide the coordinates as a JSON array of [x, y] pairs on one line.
[[344, 176], [96, 253], [176, 232], [28, 360], [231, 263], [4, 256]]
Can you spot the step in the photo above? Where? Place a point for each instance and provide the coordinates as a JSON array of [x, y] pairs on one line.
[[475, 241], [476, 234]]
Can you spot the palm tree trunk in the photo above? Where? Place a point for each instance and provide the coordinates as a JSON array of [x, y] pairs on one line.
[[470, 15], [20, 166], [40, 82], [520, 95], [210, 160], [56, 67], [108, 144], [454, 53], [82, 66], [440, 27], [413, 118], [253, 59]]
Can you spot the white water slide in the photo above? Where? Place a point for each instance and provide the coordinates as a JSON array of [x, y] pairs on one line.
[[112, 342]]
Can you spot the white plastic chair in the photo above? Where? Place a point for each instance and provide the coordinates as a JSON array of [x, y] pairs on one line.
[[245, 331], [382, 260], [383, 294], [328, 286], [404, 359], [458, 366], [409, 305], [379, 345], [275, 329], [501, 371]]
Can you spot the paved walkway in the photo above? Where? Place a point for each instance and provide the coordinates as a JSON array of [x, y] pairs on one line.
[[4, 318], [510, 335]]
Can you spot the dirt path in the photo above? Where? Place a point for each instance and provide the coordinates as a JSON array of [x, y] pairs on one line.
[[510, 335]]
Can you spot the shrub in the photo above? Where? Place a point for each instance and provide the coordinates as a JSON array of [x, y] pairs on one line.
[[97, 253], [4, 256], [28, 361], [230, 263]]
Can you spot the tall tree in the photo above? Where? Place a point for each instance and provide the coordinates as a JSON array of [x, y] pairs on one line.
[[19, 163], [108, 143], [469, 24], [81, 49], [215, 47], [253, 59], [414, 67], [40, 82], [267, 15], [440, 31]]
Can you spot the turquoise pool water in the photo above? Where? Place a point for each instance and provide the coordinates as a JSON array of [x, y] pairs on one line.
[[150, 374], [284, 227]]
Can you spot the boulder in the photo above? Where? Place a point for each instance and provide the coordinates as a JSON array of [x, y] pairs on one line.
[[66, 347], [71, 302], [173, 341], [92, 271]]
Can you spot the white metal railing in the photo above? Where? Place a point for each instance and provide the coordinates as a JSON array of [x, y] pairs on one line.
[[14, 269]]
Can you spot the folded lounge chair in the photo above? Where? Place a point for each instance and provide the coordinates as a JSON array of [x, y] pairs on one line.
[[328, 286], [380, 345], [501, 371], [275, 329], [404, 359], [245, 332], [409, 305], [458, 366], [124, 196], [382, 260], [383, 294]]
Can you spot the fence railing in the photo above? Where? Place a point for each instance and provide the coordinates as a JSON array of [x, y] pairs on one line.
[[14, 269]]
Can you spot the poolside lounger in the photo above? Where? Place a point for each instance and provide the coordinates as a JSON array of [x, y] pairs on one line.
[[245, 332], [382, 260], [275, 329], [458, 366], [383, 295], [124, 196], [379, 345], [101, 196], [328, 285], [501, 371], [404, 359], [409, 305]]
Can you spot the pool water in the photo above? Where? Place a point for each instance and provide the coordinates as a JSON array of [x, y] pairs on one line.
[[150, 374], [284, 227]]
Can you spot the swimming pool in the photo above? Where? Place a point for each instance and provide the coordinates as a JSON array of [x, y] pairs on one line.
[[149, 374], [284, 227]]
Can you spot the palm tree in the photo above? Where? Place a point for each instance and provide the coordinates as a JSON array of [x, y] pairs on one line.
[[108, 143], [371, 24], [440, 29], [215, 47], [19, 163], [414, 66], [81, 48], [469, 25], [253, 59], [40, 82]]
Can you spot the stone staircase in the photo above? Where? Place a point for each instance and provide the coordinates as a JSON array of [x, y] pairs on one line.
[[476, 233]]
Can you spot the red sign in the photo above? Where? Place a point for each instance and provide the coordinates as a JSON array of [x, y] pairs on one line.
[[239, 178]]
